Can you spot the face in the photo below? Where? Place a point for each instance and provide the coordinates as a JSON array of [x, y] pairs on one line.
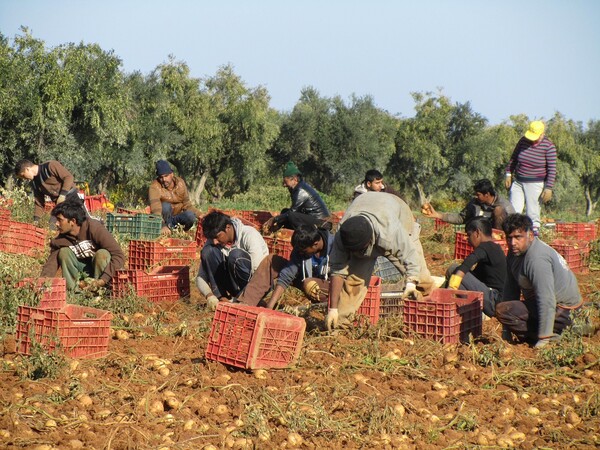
[[166, 180], [315, 248], [487, 198], [64, 225], [474, 238], [290, 182], [519, 241], [27, 174], [375, 185], [225, 238]]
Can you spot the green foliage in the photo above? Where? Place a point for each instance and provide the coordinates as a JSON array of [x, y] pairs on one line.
[[73, 102], [42, 364], [564, 352]]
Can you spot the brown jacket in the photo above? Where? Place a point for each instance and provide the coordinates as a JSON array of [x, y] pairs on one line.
[[52, 180], [97, 234], [178, 196]]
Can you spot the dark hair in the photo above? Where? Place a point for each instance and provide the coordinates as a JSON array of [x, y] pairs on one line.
[[304, 236], [215, 222], [479, 223], [22, 165], [70, 210], [372, 175], [484, 186], [517, 222]]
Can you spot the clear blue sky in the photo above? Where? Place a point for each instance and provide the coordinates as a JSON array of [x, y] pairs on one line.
[[504, 56]]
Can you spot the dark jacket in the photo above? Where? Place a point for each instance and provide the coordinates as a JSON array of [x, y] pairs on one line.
[[306, 200], [98, 236], [476, 209], [302, 268], [52, 180]]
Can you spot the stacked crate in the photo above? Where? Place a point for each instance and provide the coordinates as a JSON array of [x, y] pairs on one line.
[[158, 270], [77, 331], [136, 226], [574, 244], [22, 238]]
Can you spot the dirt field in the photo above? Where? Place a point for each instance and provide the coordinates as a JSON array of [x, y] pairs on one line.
[[368, 388]]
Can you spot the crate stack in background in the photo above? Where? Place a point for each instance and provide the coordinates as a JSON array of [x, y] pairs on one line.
[[462, 248], [22, 238], [135, 226], [77, 331], [574, 244]]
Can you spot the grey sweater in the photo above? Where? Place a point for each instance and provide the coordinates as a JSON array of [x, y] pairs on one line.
[[544, 278]]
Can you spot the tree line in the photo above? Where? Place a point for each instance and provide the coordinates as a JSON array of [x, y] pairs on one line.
[[74, 103]]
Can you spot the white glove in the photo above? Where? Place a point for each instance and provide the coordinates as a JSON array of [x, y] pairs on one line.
[[60, 199], [212, 302], [543, 342], [332, 318], [411, 293]]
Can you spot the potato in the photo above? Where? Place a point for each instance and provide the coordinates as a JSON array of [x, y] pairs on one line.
[[221, 410], [294, 439]]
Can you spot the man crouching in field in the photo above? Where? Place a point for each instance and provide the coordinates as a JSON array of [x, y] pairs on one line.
[[83, 245], [543, 277], [375, 224]]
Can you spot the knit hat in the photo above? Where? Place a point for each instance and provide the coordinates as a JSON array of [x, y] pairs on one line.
[[291, 170], [356, 233], [536, 129], [163, 168]]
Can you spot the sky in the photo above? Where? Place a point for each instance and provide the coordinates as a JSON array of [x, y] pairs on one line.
[[505, 57]]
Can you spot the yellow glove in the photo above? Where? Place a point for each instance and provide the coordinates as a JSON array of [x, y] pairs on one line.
[[546, 195], [508, 181], [60, 199], [454, 282], [332, 319]]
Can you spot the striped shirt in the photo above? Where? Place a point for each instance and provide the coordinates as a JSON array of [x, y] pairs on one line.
[[533, 162]]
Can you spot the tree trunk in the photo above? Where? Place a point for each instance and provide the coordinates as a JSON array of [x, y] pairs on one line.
[[590, 204], [422, 197], [197, 187]]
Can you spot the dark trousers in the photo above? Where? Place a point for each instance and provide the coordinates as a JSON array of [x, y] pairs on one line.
[[521, 318], [472, 283], [227, 276], [263, 279], [186, 219]]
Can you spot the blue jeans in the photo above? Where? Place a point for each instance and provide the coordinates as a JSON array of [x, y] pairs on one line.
[[186, 219], [226, 275]]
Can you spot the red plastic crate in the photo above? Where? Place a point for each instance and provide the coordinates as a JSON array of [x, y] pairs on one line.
[[168, 283], [369, 308], [22, 238], [4, 213], [79, 331], [254, 338], [96, 202], [281, 247], [391, 304], [447, 315], [576, 253], [462, 248], [164, 252], [581, 231], [199, 238], [52, 291]]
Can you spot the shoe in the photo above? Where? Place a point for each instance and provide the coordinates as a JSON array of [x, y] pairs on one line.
[[506, 335]]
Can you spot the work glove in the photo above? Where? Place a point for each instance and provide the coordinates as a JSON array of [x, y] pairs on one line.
[[60, 199], [332, 318], [508, 181], [411, 293], [546, 195], [546, 341], [454, 282], [212, 302]]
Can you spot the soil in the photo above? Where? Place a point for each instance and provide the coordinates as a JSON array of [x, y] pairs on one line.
[[370, 387]]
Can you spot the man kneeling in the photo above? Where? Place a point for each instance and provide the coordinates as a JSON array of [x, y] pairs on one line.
[[83, 245]]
